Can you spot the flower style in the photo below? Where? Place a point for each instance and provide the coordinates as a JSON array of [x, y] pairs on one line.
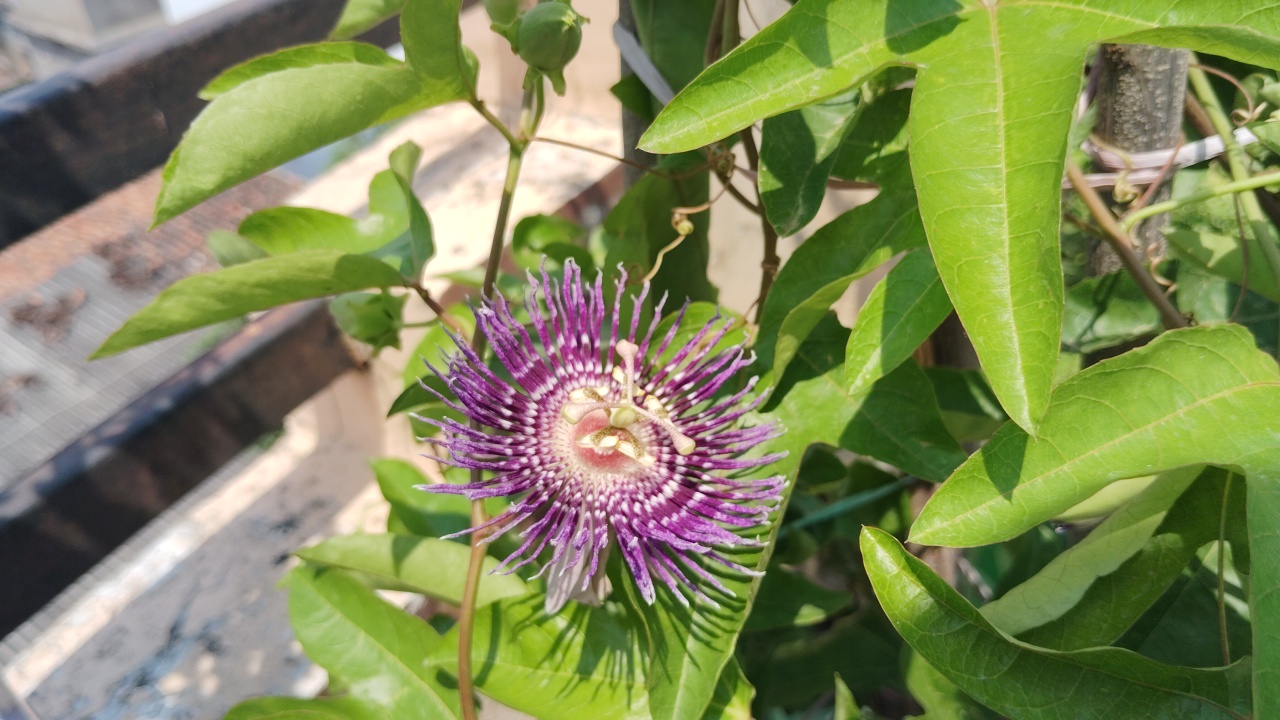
[[605, 443]]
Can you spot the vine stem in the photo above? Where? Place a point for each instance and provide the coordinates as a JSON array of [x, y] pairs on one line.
[[731, 35], [1123, 245], [1237, 164], [1249, 183], [530, 115], [1222, 572], [442, 314]]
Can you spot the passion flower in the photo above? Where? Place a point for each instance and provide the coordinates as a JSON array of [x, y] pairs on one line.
[[607, 445]]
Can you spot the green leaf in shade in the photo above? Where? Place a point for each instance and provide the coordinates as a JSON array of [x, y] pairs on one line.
[[1105, 311], [639, 228], [1221, 255], [1022, 681], [435, 568], [359, 16], [229, 248], [733, 695], [785, 599], [547, 237], [1200, 395], [1207, 235], [846, 707], [282, 708], [990, 113], [969, 408], [229, 293], [821, 270], [635, 97], [1091, 593], [583, 663], [372, 318], [1184, 627], [875, 148], [940, 697], [377, 650], [303, 56], [1211, 299], [896, 421], [900, 313], [272, 118], [674, 34], [797, 151], [793, 667]]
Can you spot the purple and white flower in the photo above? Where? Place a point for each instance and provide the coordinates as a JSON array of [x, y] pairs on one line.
[[606, 445]]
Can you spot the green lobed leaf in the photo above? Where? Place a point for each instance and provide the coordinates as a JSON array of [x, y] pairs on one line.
[[377, 650], [282, 708], [303, 56], [991, 110], [582, 663], [821, 270], [229, 293], [786, 599], [359, 16], [797, 152], [272, 118], [432, 567], [1199, 395], [899, 315], [1022, 681], [1095, 590]]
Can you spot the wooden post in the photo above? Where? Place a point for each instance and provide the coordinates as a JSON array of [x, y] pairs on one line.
[[1141, 93]]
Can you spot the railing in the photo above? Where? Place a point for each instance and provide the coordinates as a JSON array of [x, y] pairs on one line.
[[74, 136], [63, 142]]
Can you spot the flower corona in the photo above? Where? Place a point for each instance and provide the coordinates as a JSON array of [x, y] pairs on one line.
[[606, 444]]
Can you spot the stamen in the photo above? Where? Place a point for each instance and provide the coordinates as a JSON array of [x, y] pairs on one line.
[[626, 411]]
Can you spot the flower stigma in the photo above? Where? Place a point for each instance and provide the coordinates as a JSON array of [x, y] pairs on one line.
[[610, 430]]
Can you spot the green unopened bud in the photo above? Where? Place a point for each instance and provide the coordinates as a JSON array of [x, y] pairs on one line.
[[549, 36]]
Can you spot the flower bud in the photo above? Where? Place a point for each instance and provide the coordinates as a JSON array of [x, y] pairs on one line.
[[548, 37]]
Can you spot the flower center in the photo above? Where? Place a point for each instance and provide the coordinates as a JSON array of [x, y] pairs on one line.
[[605, 427]]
